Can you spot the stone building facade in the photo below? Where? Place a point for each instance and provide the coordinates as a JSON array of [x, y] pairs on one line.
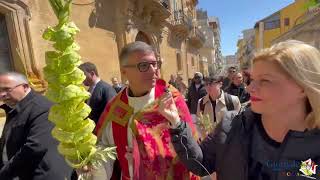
[[170, 26], [106, 26]]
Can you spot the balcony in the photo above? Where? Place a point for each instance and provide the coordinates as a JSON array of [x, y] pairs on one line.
[[192, 3], [160, 9], [197, 38], [181, 25]]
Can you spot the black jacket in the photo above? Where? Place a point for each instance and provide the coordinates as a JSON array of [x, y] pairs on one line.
[[101, 95], [194, 95], [225, 83], [118, 87], [227, 150], [31, 150], [239, 91]]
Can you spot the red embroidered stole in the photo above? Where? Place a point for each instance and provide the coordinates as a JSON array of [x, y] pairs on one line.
[[154, 155]]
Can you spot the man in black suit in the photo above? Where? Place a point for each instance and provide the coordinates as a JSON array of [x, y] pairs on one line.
[[27, 149], [101, 92]]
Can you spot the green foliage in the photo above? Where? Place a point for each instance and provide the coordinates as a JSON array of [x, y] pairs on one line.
[[312, 3], [69, 114], [206, 124]]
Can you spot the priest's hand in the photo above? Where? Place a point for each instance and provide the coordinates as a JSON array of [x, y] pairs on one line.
[[168, 109]]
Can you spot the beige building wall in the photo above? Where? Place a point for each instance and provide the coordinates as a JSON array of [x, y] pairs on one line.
[[185, 63], [208, 54], [97, 41], [106, 26], [169, 57]]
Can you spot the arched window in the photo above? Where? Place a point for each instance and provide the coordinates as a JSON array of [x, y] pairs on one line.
[[141, 36], [179, 62], [5, 54], [192, 61]]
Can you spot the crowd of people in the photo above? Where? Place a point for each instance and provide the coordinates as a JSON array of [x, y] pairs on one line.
[[264, 117]]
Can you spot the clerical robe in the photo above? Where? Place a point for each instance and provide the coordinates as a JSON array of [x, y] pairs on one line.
[[147, 132]]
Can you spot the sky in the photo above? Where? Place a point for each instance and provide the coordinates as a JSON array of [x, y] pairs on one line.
[[238, 15]]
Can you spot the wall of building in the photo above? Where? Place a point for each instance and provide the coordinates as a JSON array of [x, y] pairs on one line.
[[103, 30], [96, 39], [207, 53], [293, 12], [169, 56]]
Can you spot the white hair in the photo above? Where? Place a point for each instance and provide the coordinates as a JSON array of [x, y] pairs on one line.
[[17, 77]]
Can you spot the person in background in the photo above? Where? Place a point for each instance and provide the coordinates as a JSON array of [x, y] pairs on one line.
[[282, 126], [246, 76], [238, 88], [101, 92], [28, 150], [173, 80], [195, 92], [215, 105], [227, 80], [181, 86], [116, 84]]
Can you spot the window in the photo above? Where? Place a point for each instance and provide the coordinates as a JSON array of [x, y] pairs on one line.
[[5, 54], [202, 67], [272, 24], [179, 62], [286, 21]]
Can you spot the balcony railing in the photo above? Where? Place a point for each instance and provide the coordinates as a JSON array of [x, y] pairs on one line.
[[197, 38], [200, 35], [179, 17], [159, 10], [165, 3]]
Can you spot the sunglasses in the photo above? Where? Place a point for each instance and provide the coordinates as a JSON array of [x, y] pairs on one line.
[[144, 66]]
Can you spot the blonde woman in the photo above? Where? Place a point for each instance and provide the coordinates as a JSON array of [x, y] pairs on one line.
[[278, 138]]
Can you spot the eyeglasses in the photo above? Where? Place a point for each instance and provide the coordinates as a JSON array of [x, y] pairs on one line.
[[8, 90], [144, 66]]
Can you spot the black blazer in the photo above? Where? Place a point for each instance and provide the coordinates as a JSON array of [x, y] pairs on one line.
[[31, 150], [101, 95]]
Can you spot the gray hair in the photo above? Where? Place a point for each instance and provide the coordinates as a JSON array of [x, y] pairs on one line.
[[17, 77], [133, 47]]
